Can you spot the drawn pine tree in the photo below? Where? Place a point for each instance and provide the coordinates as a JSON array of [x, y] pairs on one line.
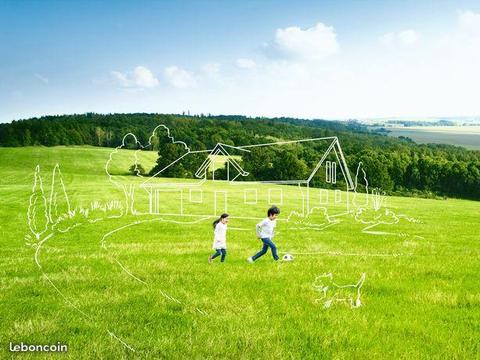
[[59, 205], [361, 186], [37, 209]]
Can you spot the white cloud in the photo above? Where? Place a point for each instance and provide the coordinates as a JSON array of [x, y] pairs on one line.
[[404, 38], [43, 79], [426, 80], [463, 44], [316, 42], [467, 39], [244, 63], [408, 37], [120, 78], [387, 39], [438, 78], [141, 77], [469, 22], [179, 77], [212, 69]]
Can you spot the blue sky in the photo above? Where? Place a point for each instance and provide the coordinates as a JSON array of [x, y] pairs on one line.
[[313, 59]]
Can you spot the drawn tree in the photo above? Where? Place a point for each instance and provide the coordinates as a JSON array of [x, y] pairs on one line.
[[370, 203], [137, 170], [37, 214], [376, 213], [59, 205], [361, 186], [118, 169], [375, 165], [378, 199], [169, 151]]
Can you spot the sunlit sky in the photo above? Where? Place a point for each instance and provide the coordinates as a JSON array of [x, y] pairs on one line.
[[308, 59]]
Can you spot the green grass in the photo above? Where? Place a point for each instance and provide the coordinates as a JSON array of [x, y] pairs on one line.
[[424, 303]]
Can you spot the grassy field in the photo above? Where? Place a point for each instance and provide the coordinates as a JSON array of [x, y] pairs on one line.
[[466, 136], [150, 293]]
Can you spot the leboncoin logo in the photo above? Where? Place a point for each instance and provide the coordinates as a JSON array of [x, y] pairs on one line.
[[22, 347]]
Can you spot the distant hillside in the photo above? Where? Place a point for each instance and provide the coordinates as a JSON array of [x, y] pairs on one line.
[[395, 165], [108, 130]]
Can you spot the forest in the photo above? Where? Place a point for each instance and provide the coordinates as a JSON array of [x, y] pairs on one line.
[[395, 165]]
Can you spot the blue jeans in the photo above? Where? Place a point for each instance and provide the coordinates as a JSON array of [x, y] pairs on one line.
[[267, 243], [219, 252]]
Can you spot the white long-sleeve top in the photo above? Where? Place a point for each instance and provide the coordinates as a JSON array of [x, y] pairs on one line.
[[220, 236], [266, 228]]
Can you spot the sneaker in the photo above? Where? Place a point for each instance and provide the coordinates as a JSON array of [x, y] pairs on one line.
[[250, 260], [210, 259]]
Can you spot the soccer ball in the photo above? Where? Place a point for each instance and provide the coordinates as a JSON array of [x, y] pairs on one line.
[[287, 257]]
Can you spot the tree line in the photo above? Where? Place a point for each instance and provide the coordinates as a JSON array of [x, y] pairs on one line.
[[397, 166]]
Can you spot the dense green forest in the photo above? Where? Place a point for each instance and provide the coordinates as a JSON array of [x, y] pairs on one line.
[[397, 166]]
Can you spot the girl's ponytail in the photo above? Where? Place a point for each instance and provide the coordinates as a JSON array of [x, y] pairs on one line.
[[223, 216]]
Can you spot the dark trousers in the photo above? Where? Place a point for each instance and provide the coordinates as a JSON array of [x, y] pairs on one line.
[[219, 252], [267, 243]]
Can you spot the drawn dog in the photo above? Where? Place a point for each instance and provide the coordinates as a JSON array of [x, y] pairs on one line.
[[331, 292]]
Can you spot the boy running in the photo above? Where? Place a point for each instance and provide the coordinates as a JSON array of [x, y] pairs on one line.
[[265, 230]]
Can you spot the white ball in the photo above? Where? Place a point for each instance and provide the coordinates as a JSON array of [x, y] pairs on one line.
[[287, 257]]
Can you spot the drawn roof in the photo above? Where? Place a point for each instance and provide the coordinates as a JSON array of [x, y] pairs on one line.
[[219, 149], [325, 146], [180, 161]]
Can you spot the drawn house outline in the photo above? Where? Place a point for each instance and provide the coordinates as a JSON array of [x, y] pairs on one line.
[[236, 175]]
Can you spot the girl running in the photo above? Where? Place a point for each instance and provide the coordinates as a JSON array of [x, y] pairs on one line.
[[220, 238]]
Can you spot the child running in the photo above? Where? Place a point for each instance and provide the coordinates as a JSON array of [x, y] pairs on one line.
[[265, 230], [219, 238]]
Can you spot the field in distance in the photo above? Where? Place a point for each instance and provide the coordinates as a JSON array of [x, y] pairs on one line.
[[466, 136]]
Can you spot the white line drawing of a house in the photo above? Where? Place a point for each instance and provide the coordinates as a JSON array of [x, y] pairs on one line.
[[170, 196]]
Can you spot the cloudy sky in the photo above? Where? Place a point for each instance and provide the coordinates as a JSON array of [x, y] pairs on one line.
[[310, 59]]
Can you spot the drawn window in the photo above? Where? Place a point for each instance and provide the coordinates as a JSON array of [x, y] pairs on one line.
[[275, 196], [250, 196], [196, 195], [331, 172], [328, 172], [323, 196], [338, 196], [334, 173]]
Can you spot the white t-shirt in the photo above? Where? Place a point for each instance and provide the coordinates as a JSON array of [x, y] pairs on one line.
[[266, 228], [220, 236]]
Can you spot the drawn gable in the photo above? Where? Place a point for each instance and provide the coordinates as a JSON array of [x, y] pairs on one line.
[[222, 163], [331, 170]]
